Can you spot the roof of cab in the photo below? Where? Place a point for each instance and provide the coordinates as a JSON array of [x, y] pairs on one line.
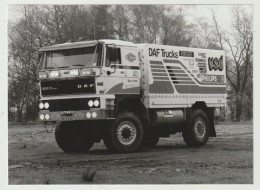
[[82, 44]]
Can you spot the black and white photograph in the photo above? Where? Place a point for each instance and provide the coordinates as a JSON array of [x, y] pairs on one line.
[[115, 93]]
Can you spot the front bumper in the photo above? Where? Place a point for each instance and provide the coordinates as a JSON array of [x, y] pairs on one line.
[[99, 114]]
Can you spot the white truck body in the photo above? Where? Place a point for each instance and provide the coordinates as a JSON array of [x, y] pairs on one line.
[[175, 77], [130, 94]]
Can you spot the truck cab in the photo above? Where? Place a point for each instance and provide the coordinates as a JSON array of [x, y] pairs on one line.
[[123, 93]]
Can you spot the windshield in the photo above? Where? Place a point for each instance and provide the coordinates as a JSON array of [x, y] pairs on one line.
[[83, 57]]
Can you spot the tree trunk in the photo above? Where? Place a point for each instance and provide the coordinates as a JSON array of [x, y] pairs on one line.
[[238, 108]]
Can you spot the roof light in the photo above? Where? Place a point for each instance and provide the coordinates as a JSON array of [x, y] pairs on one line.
[[42, 75], [54, 74], [74, 72], [86, 71]]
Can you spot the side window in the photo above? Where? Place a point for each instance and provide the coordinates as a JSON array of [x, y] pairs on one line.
[[113, 56]]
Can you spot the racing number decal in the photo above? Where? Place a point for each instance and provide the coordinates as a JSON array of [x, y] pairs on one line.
[[215, 63]]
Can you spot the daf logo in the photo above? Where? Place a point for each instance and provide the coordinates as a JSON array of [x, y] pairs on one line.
[[85, 85]]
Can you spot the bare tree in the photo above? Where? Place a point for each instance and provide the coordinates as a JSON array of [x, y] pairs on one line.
[[239, 67]]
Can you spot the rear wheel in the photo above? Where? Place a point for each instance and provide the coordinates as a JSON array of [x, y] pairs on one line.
[[125, 134], [73, 137], [196, 130]]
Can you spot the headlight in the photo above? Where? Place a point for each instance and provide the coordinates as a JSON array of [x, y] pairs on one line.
[[42, 75], [41, 105], [74, 72], [96, 103], [46, 105], [88, 114], [86, 71], [90, 103], [47, 116], [94, 114], [54, 74], [41, 117]]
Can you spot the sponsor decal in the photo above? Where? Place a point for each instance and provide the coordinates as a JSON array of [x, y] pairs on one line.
[[212, 78], [215, 63], [130, 80], [203, 55], [165, 54], [203, 70], [200, 60], [130, 57], [202, 64], [49, 88], [186, 53], [100, 83]]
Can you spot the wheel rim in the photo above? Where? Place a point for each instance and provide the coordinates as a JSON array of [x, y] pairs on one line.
[[126, 132], [200, 128]]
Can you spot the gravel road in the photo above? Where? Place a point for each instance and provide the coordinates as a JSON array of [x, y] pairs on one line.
[[34, 158]]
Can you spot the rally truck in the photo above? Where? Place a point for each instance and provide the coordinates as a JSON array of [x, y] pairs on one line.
[[129, 95]]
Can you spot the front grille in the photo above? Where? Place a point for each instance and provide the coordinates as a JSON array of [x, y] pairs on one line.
[[75, 86], [70, 104]]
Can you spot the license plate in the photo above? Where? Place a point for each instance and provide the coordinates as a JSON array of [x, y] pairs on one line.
[[67, 118]]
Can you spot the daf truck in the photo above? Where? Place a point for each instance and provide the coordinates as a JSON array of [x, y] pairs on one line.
[[129, 95]]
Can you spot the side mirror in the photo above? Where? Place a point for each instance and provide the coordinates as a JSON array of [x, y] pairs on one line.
[[39, 56]]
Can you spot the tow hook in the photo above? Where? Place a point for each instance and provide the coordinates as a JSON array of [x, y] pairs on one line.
[[48, 126]]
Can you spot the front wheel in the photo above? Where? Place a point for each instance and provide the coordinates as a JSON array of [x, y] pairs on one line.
[[125, 134], [72, 137], [196, 130]]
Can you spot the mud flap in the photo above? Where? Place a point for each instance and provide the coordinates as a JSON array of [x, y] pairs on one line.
[[212, 131]]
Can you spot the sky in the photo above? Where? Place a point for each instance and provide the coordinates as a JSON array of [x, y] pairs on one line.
[[194, 12]]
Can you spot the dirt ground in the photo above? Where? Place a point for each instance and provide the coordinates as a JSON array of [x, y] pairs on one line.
[[34, 158]]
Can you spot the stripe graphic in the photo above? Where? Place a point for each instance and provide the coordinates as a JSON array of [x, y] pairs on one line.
[[195, 89], [125, 67], [161, 87], [179, 62], [184, 83], [158, 71]]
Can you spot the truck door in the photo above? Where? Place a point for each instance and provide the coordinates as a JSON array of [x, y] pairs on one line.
[[122, 68]]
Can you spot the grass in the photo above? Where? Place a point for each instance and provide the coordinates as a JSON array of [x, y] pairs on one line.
[[89, 175], [47, 180]]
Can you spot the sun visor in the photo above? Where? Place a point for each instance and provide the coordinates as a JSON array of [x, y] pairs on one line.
[[69, 46]]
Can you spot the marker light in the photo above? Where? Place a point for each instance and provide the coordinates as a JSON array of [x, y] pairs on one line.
[[88, 114], [41, 117], [74, 72], [41, 105], [94, 114], [42, 75], [90, 103], [46, 105], [47, 116], [54, 74], [96, 103]]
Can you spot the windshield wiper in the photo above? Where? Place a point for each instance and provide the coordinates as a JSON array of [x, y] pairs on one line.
[[63, 67], [78, 65]]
